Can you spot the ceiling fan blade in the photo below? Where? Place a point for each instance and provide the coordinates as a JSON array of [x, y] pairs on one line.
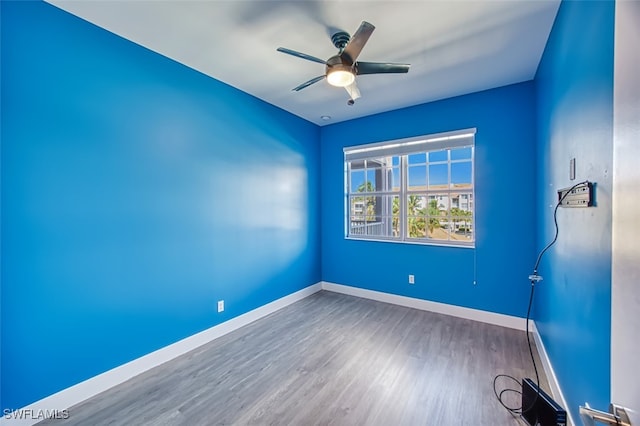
[[380, 68], [300, 55], [357, 42], [308, 83], [353, 91]]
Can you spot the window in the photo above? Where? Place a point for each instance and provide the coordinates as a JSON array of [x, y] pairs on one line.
[[416, 190]]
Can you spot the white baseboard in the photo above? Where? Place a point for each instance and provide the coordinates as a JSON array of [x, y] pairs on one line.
[[80, 392], [427, 305], [66, 398], [556, 391]]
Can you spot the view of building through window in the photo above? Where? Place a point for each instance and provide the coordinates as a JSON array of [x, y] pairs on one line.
[[424, 196]]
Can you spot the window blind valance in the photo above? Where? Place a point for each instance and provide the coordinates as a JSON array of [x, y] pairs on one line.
[[435, 142]]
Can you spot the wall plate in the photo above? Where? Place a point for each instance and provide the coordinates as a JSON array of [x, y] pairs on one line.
[[578, 196], [572, 169]]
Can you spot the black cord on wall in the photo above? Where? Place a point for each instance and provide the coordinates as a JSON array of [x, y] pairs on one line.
[[534, 279]]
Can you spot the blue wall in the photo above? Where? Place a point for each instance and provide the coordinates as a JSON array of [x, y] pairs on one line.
[[574, 85], [136, 193], [504, 170]]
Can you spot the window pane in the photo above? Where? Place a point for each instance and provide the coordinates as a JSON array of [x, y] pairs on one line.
[[377, 216], [461, 174], [437, 156], [417, 177], [436, 221], [462, 201], [357, 179], [395, 212], [382, 174], [370, 208], [461, 154], [416, 227], [394, 185], [438, 176], [416, 220], [356, 208], [416, 205], [373, 181], [437, 231], [438, 204], [417, 158], [462, 227], [465, 202], [374, 206]]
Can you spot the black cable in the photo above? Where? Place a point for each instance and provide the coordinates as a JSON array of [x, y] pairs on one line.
[[534, 278], [520, 409]]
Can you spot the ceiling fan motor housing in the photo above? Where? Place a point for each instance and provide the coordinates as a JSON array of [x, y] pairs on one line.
[[338, 62], [340, 39]]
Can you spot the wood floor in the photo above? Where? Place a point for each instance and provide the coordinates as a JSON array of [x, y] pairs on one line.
[[329, 359]]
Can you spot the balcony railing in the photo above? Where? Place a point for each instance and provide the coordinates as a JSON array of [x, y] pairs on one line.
[[368, 228]]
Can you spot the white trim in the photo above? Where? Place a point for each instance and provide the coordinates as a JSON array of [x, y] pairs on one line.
[[427, 305], [82, 391], [556, 391], [625, 252]]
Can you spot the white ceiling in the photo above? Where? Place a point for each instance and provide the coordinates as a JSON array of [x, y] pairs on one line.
[[454, 47]]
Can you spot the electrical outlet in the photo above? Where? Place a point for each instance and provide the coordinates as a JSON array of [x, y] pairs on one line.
[[220, 305], [412, 279]]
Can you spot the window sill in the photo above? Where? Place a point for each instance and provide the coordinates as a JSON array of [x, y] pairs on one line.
[[455, 244]]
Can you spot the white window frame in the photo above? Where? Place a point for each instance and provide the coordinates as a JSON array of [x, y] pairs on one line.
[[402, 148]]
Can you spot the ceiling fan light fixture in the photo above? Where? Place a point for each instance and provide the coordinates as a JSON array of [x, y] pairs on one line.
[[340, 76]]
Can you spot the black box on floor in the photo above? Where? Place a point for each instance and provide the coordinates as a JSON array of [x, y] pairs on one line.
[[541, 409]]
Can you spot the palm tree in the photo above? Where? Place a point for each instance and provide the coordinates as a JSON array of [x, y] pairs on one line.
[[395, 213], [413, 205], [433, 213], [467, 217], [415, 215], [456, 215], [366, 186], [464, 216]]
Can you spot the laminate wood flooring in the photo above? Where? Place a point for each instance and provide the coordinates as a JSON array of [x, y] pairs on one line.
[[329, 359]]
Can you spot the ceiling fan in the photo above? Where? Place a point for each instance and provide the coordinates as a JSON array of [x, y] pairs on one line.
[[341, 69]]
